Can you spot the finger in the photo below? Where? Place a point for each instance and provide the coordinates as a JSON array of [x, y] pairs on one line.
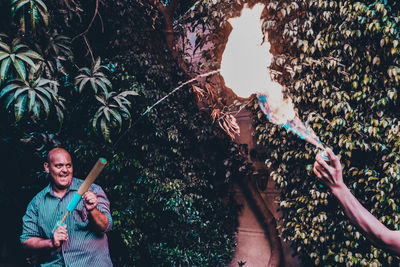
[[333, 159], [323, 173], [92, 198], [90, 201], [90, 193], [317, 173], [323, 163], [331, 155], [87, 194], [62, 233], [61, 228]]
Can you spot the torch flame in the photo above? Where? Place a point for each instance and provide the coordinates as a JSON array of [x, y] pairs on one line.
[[245, 63], [245, 69]]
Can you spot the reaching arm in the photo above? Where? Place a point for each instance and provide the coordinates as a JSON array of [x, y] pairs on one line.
[[374, 230]]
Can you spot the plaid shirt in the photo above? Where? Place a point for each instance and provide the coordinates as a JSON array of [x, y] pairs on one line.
[[83, 247]]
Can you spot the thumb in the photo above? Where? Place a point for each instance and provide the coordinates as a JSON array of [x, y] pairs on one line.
[[334, 160]]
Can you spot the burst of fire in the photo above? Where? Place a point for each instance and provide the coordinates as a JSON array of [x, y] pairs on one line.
[[245, 63], [245, 68]]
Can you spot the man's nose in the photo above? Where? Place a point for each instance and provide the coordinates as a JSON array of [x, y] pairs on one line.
[[64, 168]]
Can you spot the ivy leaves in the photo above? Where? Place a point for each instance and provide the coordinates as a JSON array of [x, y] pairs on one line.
[[343, 59]]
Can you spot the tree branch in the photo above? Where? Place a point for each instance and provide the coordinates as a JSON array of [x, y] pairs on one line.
[[96, 12], [89, 48], [168, 13]]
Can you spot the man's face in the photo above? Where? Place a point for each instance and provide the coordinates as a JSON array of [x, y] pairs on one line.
[[60, 168]]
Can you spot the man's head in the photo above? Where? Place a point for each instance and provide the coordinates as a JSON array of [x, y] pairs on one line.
[[59, 166]]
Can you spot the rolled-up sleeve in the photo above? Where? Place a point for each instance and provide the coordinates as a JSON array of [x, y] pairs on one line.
[[30, 226], [104, 206]]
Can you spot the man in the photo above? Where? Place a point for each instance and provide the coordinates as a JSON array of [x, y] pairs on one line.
[[82, 240], [331, 174]]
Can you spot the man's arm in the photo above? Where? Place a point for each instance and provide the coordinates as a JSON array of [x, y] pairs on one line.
[[38, 243], [59, 235], [98, 219], [375, 231], [31, 237]]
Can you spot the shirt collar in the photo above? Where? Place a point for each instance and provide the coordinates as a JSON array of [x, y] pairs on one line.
[[73, 187]]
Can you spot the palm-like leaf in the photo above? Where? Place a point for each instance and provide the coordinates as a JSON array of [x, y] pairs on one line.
[[55, 49], [17, 55], [31, 11], [112, 112], [93, 76], [32, 96]]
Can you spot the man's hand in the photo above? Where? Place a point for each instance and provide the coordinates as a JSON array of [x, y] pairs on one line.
[[90, 200], [59, 235], [330, 173]]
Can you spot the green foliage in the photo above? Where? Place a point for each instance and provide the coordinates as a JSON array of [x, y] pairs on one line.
[[30, 13], [56, 50], [32, 95], [190, 233], [94, 76], [17, 55], [113, 110], [339, 62]]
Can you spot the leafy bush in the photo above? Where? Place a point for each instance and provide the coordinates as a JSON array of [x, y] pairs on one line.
[[340, 64]]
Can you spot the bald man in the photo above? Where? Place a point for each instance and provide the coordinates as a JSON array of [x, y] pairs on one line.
[[82, 241]]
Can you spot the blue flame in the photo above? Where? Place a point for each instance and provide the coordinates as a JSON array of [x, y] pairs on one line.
[[290, 125]]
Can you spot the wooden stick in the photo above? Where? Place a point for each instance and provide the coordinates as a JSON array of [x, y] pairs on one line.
[[97, 168], [65, 217]]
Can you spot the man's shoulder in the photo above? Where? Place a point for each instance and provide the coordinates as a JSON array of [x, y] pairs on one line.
[[43, 192], [40, 195]]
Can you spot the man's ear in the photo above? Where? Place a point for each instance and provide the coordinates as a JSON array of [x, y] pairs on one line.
[[46, 167]]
